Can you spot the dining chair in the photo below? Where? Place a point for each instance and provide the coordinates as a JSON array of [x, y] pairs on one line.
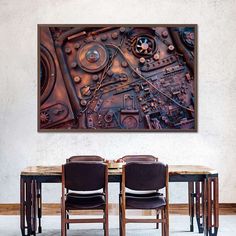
[[132, 158], [145, 176], [137, 158], [78, 177], [85, 158]]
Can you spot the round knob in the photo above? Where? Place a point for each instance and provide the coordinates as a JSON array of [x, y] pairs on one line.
[[92, 55]]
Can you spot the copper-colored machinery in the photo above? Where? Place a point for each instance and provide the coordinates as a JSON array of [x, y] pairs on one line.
[[117, 78]]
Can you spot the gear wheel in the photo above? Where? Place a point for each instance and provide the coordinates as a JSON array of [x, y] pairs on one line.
[[44, 117], [187, 35], [92, 57]]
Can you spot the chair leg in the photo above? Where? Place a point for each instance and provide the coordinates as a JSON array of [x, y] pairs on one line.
[[167, 223], [123, 226], [63, 224], [123, 229], [106, 230], [162, 224], [157, 217], [104, 216], [120, 217], [67, 217]]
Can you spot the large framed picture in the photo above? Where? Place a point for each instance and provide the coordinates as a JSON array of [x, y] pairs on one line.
[[117, 78]]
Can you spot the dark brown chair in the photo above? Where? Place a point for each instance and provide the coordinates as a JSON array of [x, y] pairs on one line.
[[137, 158], [132, 158], [145, 176], [78, 177], [85, 158]]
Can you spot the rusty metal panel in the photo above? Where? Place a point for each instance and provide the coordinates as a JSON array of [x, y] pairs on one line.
[[117, 78]]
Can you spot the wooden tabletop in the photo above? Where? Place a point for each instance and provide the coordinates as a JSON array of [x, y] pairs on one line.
[[173, 170]]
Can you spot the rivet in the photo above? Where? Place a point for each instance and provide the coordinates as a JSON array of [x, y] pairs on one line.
[[95, 77], [156, 56], [67, 50], [77, 79], [171, 48], [104, 37], [114, 35], [122, 30], [142, 60], [83, 102], [124, 64], [165, 34], [110, 73], [77, 46], [73, 64]]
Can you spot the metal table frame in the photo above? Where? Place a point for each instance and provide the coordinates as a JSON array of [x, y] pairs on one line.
[[203, 199]]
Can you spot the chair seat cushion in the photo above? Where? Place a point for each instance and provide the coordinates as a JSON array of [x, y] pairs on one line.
[[140, 194], [145, 201], [76, 201]]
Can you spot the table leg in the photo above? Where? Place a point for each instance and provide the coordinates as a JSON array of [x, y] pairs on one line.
[[27, 205], [199, 205], [120, 214], [34, 204], [211, 205], [22, 206], [191, 203], [205, 212], [39, 205]]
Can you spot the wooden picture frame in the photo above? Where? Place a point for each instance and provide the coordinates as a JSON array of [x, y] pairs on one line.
[[117, 78]]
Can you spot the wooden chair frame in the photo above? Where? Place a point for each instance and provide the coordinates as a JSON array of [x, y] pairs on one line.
[[164, 220], [78, 158], [130, 157], [65, 220]]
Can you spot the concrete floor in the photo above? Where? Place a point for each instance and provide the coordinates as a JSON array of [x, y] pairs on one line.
[[179, 226]]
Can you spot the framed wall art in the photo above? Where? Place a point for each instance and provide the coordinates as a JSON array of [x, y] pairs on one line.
[[117, 78]]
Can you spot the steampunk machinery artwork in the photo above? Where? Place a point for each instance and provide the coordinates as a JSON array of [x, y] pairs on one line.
[[117, 78]]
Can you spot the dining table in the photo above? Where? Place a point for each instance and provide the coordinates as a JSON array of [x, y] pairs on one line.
[[203, 194]]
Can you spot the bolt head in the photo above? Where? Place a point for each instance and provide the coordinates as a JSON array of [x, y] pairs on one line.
[[67, 50], [156, 56], [104, 37], [77, 46], [77, 79], [165, 34], [171, 48], [122, 30], [142, 60], [114, 35], [124, 64], [73, 64], [83, 102], [110, 73], [95, 77]]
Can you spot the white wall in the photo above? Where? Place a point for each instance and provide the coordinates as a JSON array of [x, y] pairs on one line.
[[20, 143]]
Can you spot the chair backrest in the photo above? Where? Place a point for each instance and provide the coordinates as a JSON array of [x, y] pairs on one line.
[[85, 158], [136, 158], [145, 176], [84, 176]]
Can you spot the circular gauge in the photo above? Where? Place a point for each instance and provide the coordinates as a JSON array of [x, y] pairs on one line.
[[144, 46], [47, 73], [130, 122], [43, 75], [187, 35], [92, 57]]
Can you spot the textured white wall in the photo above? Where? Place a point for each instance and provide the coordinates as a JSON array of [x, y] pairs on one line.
[[20, 143]]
